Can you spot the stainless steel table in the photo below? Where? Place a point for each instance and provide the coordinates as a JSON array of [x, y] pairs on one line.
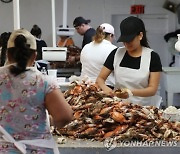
[[171, 77], [94, 147]]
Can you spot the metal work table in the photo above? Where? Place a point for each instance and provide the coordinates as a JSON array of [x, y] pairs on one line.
[[171, 76], [67, 72], [93, 147]]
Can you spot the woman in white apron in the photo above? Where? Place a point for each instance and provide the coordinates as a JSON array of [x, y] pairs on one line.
[[136, 67], [25, 95]]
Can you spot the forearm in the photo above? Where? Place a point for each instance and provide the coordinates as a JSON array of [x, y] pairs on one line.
[[103, 75], [103, 86], [59, 123], [152, 87], [145, 92], [60, 111]]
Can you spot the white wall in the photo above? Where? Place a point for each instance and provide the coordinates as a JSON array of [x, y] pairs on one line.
[[6, 17], [99, 11]]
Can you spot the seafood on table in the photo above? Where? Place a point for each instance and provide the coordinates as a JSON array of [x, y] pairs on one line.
[[98, 116]]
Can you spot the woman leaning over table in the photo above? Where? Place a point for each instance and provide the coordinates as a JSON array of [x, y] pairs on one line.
[[25, 94], [136, 67]]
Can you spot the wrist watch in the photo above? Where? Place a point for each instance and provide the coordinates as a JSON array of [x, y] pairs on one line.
[[6, 1]]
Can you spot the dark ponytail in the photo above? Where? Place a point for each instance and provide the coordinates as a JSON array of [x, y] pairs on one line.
[[21, 53], [36, 31], [144, 41], [4, 39]]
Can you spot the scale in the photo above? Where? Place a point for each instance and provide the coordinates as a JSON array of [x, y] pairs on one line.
[[56, 53]]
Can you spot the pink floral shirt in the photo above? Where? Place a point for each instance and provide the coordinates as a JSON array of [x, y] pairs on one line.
[[22, 110]]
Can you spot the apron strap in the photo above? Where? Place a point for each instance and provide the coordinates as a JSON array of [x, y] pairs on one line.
[[64, 43], [7, 137], [42, 143], [37, 142]]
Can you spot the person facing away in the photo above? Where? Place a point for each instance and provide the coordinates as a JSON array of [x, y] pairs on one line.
[[83, 28], [4, 39], [25, 96], [136, 66], [94, 54], [64, 39], [36, 31]]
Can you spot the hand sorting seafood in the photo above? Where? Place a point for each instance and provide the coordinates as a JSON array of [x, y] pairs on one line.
[[123, 93], [98, 116]]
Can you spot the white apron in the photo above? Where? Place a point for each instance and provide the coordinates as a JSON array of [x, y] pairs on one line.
[[133, 78], [21, 144]]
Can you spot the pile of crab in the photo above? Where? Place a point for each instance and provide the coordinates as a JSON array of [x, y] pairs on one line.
[[98, 116]]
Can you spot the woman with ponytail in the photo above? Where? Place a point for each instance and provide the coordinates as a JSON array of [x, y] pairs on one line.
[[94, 54], [26, 96], [37, 33]]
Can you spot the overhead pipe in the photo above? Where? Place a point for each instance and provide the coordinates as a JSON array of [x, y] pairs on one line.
[[53, 23], [70, 31], [16, 13], [64, 13]]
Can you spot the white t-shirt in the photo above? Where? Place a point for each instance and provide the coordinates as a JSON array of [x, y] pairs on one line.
[[93, 56]]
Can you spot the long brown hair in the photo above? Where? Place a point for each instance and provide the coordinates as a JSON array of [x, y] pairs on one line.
[[100, 35]]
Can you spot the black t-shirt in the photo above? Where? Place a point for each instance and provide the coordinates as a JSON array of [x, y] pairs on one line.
[[88, 36], [40, 44], [134, 62]]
